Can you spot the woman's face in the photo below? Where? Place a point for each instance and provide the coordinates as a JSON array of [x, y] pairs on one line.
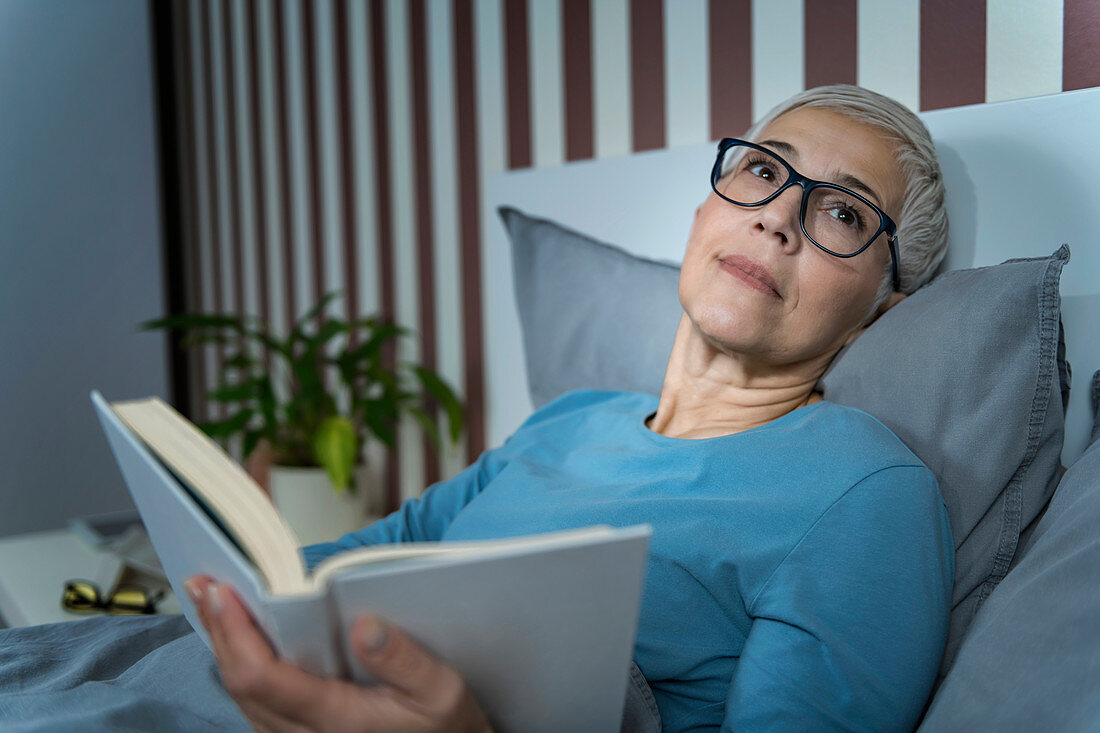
[[753, 285]]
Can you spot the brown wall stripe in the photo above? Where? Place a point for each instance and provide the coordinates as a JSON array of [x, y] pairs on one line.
[[259, 173], [829, 32], [212, 184], [229, 77], [346, 168], [576, 22], [384, 213], [952, 53], [422, 175], [729, 34], [517, 81], [1080, 44], [469, 209], [313, 134], [284, 175], [647, 73]]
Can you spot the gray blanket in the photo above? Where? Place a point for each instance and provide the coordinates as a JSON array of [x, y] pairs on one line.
[[122, 673], [148, 673]]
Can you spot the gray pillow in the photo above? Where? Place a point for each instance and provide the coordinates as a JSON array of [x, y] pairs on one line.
[[593, 315], [966, 371], [969, 372], [1031, 660]]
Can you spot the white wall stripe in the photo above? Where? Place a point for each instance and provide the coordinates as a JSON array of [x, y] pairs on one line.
[[362, 133], [404, 231], [247, 212], [687, 76], [302, 266], [370, 299], [221, 145], [272, 170], [491, 140], [329, 134], [448, 290], [888, 49], [202, 173], [777, 53], [1019, 64], [547, 90], [611, 78]]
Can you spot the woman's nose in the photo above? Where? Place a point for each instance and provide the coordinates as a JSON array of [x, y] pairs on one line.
[[781, 215]]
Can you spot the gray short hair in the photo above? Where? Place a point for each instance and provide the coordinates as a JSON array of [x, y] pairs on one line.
[[922, 228]]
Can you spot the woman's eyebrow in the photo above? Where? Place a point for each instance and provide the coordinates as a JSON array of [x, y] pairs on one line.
[[849, 181], [780, 147], [844, 179]]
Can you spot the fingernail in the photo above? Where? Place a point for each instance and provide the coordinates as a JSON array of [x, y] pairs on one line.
[[194, 591], [373, 634], [216, 600]]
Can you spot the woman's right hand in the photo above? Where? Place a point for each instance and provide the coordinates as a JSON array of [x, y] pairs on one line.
[[416, 691]]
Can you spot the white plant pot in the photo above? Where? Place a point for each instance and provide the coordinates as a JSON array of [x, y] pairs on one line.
[[306, 498]]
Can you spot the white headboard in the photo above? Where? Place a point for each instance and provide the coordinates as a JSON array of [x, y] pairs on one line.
[[1019, 179]]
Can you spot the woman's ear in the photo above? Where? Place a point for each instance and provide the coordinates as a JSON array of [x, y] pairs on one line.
[[895, 298]]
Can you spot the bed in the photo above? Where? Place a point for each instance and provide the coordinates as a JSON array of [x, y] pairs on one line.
[[984, 354]]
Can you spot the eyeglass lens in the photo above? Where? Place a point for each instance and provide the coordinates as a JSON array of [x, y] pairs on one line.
[[833, 218], [84, 597]]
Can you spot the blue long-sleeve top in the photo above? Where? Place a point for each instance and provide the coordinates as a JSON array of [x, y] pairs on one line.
[[799, 576]]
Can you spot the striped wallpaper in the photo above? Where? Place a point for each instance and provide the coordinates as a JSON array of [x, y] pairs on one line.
[[328, 145]]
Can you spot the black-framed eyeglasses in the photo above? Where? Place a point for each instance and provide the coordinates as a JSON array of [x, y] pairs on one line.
[[83, 596], [836, 219]]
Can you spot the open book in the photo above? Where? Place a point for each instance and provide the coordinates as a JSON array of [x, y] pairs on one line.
[[541, 627]]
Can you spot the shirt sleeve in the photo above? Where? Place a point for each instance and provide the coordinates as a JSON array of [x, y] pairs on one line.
[[848, 631], [420, 519]]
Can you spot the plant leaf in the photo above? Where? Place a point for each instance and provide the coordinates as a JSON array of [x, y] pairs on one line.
[[251, 439], [300, 326], [443, 394], [428, 424], [379, 416], [229, 426], [234, 392], [334, 447]]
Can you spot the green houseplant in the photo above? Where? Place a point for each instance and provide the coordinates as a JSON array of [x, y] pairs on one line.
[[334, 392]]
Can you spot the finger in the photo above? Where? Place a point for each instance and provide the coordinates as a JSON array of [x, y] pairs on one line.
[[394, 658], [204, 593], [263, 720], [258, 680], [198, 590]]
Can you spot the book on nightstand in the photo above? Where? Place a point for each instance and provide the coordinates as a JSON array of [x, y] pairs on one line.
[[541, 627]]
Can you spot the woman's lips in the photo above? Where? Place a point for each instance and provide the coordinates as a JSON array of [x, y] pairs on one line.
[[750, 273]]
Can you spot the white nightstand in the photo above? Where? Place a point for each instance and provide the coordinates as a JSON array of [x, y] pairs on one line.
[[35, 567]]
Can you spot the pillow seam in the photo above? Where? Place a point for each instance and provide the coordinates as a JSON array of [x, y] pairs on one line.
[[1048, 302]]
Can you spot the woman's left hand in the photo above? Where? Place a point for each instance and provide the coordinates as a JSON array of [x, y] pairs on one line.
[[416, 692]]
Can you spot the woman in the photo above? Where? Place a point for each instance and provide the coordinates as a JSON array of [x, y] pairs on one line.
[[802, 561]]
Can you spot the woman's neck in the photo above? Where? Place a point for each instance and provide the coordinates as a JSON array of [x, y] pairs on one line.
[[707, 393]]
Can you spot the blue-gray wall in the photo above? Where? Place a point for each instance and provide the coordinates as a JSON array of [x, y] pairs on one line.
[[79, 249]]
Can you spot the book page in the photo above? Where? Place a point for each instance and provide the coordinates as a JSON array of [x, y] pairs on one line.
[[379, 554], [237, 503]]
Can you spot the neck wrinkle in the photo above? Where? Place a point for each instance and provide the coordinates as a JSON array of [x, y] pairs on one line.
[[707, 393]]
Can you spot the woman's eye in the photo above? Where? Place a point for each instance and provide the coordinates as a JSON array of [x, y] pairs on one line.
[[762, 171], [846, 216]]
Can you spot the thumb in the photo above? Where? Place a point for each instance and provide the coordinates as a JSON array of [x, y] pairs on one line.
[[395, 659]]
